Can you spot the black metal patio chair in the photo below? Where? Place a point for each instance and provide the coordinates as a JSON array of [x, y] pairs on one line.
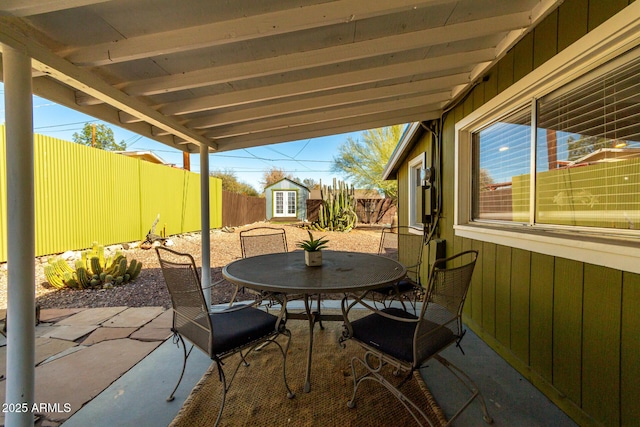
[[268, 240], [238, 329], [406, 342], [405, 245]]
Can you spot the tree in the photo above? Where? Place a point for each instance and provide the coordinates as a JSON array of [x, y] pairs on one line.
[[231, 183], [584, 145], [310, 183], [274, 175], [98, 136], [363, 162]]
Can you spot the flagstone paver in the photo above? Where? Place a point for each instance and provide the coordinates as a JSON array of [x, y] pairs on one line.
[[79, 377], [92, 316], [70, 332], [151, 334], [133, 317], [45, 329], [105, 334], [57, 314], [163, 321], [47, 347], [66, 352], [72, 373]]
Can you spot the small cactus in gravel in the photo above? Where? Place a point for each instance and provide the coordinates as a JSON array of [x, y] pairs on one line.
[[92, 270]]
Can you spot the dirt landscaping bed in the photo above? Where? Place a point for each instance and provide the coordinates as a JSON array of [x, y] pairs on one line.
[[149, 289]]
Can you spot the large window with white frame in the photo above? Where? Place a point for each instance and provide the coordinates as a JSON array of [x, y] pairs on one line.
[[552, 163], [582, 149]]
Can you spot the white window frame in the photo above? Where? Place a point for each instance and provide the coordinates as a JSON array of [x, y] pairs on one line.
[[414, 167], [611, 39]]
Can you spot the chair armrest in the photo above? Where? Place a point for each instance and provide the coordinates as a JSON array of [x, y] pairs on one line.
[[213, 284], [237, 307]]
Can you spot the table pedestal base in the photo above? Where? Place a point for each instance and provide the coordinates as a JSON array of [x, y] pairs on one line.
[[312, 317]]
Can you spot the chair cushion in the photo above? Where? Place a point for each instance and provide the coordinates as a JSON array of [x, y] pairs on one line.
[[395, 338], [232, 329], [403, 286]]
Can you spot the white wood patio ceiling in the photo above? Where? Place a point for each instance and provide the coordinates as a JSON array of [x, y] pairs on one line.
[[242, 73]]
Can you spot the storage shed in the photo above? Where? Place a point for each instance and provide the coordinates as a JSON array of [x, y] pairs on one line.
[[286, 200]]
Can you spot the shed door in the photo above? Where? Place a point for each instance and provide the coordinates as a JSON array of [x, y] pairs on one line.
[[285, 203]]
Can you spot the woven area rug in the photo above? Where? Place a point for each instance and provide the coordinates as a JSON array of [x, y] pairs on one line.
[[258, 396]]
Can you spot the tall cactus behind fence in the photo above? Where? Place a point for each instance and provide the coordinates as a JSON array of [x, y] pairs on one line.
[[337, 211]]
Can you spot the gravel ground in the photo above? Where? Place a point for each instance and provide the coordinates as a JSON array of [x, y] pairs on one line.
[[148, 289]]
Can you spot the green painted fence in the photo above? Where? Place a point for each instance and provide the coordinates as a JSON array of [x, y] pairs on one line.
[[83, 195]]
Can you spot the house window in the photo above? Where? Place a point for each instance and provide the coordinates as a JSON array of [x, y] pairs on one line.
[[416, 204], [502, 158], [588, 150], [587, 155], [552, 163], [284, 203]]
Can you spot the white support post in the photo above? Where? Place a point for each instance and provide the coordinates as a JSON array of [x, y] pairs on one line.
[[204, 218], [20, 384]]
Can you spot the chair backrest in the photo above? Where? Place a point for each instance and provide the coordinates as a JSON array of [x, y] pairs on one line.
[[190, 314], [262, 241], [403, 244], [444, 298]]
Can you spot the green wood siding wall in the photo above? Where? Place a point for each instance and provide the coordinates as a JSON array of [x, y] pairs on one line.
[[84, 195], [571, 328], [423, 146]]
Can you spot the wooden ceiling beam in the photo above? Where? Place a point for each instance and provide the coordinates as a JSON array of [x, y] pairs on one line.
[[239, 29], [36, 7], [329, 55], [388, 118], [318, 84], [426, 102], [83, 80], [328, 101]]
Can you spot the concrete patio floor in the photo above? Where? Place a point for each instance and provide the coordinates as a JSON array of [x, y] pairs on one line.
[[115, 367]]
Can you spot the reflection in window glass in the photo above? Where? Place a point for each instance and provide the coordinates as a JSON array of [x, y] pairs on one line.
[[588, 151], [502, 161]]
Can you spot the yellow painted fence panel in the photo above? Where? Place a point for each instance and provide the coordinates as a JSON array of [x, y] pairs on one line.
[[84, 195]]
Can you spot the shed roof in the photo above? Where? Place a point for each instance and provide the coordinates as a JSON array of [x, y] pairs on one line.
[[297, 184]]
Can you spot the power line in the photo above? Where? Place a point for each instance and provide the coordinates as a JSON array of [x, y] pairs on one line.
[[254, 157]]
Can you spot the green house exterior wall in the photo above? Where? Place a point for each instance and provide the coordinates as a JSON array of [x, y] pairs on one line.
[[571, 328]]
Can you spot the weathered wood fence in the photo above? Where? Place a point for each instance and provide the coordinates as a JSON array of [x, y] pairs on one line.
[[238, 209]]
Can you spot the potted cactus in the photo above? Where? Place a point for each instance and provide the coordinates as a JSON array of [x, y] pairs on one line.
[[313, 249]]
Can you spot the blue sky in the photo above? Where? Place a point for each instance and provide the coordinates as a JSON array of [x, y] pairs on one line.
[[303, 159]]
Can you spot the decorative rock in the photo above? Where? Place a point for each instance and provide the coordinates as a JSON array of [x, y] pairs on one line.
[[68, 255]]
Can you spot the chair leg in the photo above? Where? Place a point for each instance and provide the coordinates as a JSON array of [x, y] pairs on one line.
[[223, 379], [184, 365], [244, 362], [284, 352], [373, 374], [469, 385]]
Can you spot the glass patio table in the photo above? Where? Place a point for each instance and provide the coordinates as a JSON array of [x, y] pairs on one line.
[[287, 274]]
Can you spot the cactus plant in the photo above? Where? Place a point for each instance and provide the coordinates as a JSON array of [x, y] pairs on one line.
[[338, 208], [92, 270]]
